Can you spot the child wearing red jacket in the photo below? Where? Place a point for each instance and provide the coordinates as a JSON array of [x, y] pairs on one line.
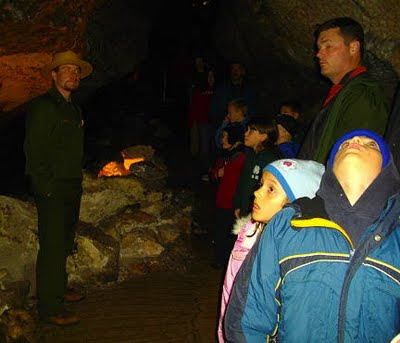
[[227, 170]]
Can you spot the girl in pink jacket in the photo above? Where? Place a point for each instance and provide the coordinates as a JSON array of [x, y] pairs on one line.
[[282, 182]]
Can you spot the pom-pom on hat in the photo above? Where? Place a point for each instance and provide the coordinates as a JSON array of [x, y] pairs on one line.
[[383, 147], [298, 178]]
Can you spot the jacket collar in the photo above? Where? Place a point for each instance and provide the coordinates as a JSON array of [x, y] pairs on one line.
[[57, 95], [372, 201]]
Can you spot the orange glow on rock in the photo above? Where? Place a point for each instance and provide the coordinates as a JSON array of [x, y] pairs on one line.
[[114, 168], [129, 161]]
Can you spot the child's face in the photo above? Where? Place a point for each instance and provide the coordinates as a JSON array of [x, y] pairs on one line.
[[224, 143], [253, 138], [362, 152], [234, 114], [269, 198]]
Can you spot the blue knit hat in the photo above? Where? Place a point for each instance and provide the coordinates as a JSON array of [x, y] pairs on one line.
[[383, 147], [298, 178]]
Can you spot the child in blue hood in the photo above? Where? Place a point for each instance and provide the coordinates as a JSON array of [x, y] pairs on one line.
[[328, 269]]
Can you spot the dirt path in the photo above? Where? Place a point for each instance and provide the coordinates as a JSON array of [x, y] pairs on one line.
[[161, 307]]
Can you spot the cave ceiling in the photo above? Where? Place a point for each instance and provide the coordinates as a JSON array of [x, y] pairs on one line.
[[113, 36], [276, 36]]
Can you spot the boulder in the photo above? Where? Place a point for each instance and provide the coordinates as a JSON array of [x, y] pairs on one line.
[[32, 30], [104, 197], [120, 223], [143, 236], [18, 326], [18, 239], [96, 260], [144, 151], [139, 244]]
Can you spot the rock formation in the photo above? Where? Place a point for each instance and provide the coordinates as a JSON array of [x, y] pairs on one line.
[[32, 30], [275, 38], [125, 229]]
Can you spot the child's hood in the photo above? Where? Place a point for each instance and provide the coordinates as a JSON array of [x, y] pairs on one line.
[[239, 223]]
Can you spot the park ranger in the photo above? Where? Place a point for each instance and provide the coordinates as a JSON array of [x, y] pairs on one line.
[[54, 153]]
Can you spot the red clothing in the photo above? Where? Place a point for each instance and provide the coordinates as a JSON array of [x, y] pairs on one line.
[[198, 112], [227, 187], [336, 88]]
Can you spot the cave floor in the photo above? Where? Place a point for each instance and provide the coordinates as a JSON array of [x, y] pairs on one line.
[[160, 307]]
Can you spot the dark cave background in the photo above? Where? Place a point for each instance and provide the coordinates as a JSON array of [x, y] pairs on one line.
[[156, 39]]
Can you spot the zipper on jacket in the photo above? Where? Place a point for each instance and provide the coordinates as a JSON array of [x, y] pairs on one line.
[[365, 248]]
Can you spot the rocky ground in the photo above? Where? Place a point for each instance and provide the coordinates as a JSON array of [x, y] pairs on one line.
[[161, 306], [162, 290]]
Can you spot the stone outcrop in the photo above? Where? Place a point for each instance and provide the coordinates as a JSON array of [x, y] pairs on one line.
[[104, 197], [119, 221], [124, 229], [96, 260], [142, 235], [17, 325], [18, 240], [32, 30]]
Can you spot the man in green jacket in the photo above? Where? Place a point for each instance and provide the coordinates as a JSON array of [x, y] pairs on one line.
[[355, 99], [54, 152]]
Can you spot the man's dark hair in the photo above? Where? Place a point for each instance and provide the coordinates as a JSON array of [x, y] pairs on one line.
[[293, 104], [349, 29], [264, 125]]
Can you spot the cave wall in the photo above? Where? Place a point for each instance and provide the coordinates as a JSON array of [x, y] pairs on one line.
[[273, 37], [112, 35], [116, 38], [275, 40]]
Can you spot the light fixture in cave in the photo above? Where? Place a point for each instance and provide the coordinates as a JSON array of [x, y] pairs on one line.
[[115, 168]]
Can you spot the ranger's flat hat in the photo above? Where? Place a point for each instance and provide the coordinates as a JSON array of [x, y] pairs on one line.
[[67, 57]]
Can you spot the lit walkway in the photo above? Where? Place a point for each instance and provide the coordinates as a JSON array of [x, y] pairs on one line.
[[162, 307]]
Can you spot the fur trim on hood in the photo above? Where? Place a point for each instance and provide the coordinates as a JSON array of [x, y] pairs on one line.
[[239, 223]]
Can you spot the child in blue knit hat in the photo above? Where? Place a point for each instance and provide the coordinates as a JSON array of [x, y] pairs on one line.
[[282, 182], [328, 266]]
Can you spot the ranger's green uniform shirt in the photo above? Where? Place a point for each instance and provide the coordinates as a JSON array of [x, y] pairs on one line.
[[53, 141]]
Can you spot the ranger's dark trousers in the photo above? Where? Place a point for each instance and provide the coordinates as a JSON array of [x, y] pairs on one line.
[[58, 214]]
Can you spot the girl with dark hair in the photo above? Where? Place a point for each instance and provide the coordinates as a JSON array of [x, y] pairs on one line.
[[281, 182], [227, 171], [260, 137]]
